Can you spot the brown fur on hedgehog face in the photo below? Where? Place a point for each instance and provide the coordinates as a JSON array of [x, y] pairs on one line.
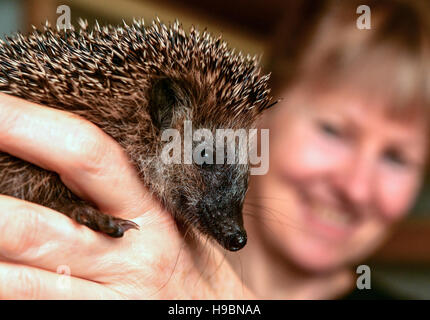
[[133, 82], [206, 196]]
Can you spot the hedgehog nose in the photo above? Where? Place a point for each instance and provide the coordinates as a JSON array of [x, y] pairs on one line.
[[237, 240]]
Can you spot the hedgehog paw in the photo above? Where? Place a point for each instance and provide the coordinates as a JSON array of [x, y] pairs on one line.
[[92, 218]]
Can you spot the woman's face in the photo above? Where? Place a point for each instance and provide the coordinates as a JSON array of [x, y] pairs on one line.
[[342, 171]]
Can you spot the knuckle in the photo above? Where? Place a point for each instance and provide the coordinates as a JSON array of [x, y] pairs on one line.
[[9, 119], [23, 283], [86, 146], [19, 229]]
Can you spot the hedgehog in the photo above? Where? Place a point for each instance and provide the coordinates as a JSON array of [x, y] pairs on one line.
[[134, 81]]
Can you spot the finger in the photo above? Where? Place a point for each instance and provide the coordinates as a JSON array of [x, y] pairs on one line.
[[23, 282], [89, 162], [37, 236]]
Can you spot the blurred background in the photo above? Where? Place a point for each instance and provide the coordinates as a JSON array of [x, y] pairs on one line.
[[402, 266]]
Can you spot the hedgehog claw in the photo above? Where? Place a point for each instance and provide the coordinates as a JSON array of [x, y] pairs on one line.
[[85, 214], [120, 226]]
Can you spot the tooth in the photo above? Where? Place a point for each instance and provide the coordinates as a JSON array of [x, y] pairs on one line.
[[332, 215]]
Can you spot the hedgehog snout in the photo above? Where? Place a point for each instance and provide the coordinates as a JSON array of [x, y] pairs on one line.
[[225, 225], [236, 240]]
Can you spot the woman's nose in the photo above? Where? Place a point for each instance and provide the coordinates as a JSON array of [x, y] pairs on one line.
[[355, 179]]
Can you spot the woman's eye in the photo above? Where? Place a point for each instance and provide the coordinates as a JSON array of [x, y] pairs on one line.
[[395, 157], [330, 129]]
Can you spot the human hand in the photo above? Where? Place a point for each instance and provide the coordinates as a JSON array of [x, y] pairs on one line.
[[36, 242]]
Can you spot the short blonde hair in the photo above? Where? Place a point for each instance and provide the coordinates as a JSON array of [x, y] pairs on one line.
[[391, 59]]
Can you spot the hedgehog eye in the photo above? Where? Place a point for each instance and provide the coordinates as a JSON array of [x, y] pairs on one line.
[[205, 156]]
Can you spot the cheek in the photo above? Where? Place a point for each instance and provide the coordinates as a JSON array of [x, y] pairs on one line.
[[396, 192]]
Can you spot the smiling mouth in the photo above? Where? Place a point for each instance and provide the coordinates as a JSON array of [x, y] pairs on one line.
[[330, 222], [333, 216]]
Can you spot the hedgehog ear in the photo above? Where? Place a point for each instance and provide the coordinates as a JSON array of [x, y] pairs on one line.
[[162, 103]]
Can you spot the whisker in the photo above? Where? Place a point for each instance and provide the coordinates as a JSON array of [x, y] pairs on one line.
[[176, 262], [275, 214], [202, 271]]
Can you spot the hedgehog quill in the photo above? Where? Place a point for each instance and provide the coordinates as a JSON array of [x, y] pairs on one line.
[[133, 82]]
